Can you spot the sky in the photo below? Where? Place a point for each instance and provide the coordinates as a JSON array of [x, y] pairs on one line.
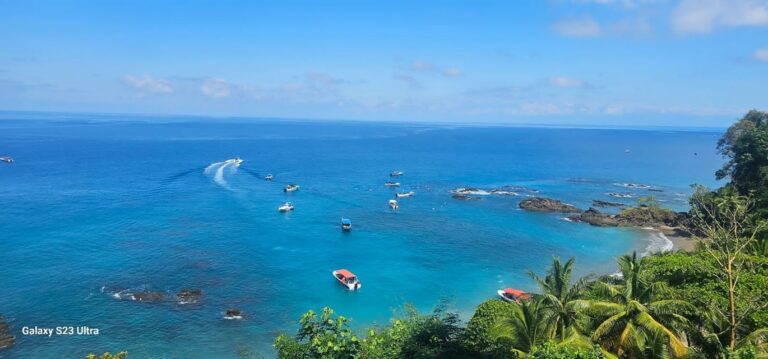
[[590, 62]]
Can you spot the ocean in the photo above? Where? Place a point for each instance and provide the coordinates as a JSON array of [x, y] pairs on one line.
[[95, 207]]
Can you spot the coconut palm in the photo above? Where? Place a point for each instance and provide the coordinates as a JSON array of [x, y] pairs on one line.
[[559, 295], [527, 327], [631, 321]]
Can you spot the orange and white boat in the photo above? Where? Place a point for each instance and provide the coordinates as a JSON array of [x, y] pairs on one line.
[[513, 295], [347, 279]]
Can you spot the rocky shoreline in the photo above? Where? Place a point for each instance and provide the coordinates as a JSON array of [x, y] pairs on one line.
[[671, 224]]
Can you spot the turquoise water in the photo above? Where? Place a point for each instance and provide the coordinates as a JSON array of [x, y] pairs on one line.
[[92, 207]]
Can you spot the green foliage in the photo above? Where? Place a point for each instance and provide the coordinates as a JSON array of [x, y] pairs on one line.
[[551, 350], [107, 355], [559, 295], [435, 335], [478, 339], [323, 337], [745, 145], [529, 326]]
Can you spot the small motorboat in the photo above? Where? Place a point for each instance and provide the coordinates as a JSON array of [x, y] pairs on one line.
[[286, 207], [346, 224], [392, 184], [513, 295], [233, 314], [396, 173], [393, 204], [291, 188], [237, 161], [347, 279], [404, 194], [7, 159], [269, 177]]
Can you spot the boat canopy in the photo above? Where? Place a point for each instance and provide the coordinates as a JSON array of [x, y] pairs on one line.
[[516, 293], [347, 274]]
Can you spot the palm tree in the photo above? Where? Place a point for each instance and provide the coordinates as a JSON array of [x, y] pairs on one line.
[[527, 328], [632, 322], [559, 295]]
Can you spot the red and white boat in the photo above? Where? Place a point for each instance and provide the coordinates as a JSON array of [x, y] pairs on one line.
[[347, 279], [513, 295]]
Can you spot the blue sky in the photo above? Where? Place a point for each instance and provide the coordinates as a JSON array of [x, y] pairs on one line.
[[603, 62]]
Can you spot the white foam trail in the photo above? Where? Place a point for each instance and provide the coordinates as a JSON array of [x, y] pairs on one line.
[[219, 168], [659, 243]]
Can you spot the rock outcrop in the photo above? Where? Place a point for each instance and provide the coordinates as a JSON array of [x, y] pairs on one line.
[[186, 296], [633, 217], [540, 204], [148, 296], [603, 204], [6, 339]]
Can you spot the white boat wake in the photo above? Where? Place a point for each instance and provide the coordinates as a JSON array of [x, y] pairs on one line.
[[218, 170]]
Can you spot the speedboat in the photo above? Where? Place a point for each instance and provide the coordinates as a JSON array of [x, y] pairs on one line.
[[237, 161], [287, 206], [347, 279], [396, 173], [346, 224], [6, 159], [269, 177], [392, 184], [291, 188], [513, 295], [393, 204], [404, 194], [233, 314]]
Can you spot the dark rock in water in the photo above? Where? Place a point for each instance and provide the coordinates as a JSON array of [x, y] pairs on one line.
[[634, 217], [603, 204], [189, 295], [464, 197], [148, 296], [540, 204], [6, 339], [595, 218], [655, 190], [233, 314]]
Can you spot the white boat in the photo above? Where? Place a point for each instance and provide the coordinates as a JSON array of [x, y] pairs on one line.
[[287, 206], [269, 177], [346, 224], [405, 194], [396, 173], [347, 279], [237, 161], [6, 159], [513, 295], [393, 204], [291, 188], [392, 184]]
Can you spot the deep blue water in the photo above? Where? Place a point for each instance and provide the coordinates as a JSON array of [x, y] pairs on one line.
[[126, 205]]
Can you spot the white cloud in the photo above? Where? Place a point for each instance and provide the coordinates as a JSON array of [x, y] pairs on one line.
[[582, 27], [566, 82], [452, 72], [215, 88], [761, 54], [422, 66], [147, 83], [409, 80], [705, 16]]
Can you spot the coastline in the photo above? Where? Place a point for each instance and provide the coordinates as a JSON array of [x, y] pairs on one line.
[[665, 239]]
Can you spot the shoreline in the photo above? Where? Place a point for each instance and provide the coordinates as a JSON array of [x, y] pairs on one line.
[[669, 239]]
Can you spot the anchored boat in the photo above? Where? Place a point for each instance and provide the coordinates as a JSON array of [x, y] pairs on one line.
[[396, 173], [513, 295], [346, 224], [347, 279], [6, 159], [404, 194], [392, 184], [269, 177], [393, 204], [291, 188], [286, 207]]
